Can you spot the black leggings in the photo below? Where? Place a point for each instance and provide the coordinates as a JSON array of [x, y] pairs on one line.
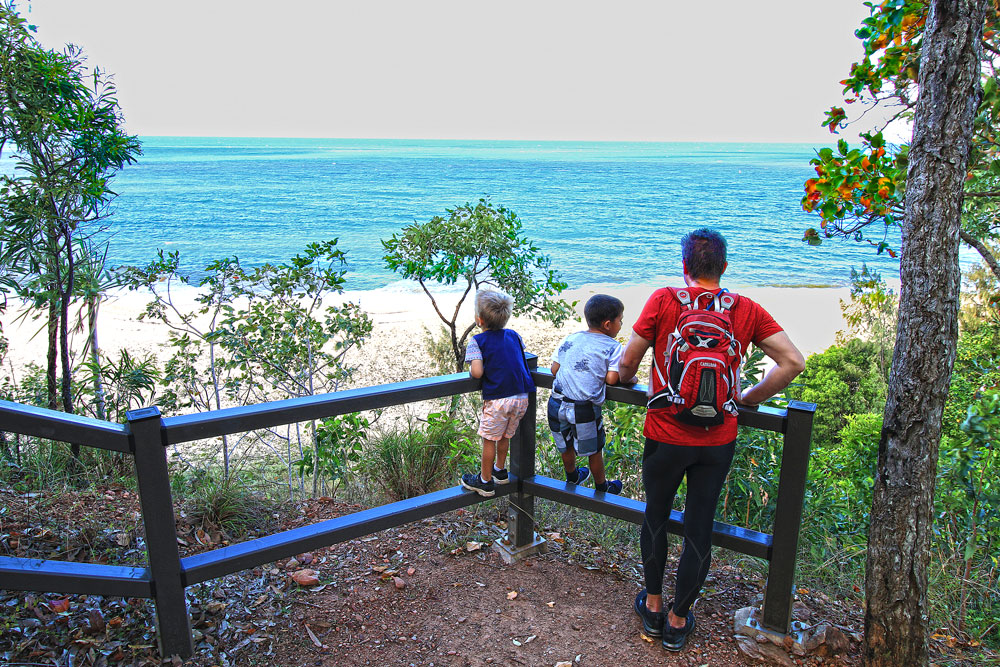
[[663, 467]]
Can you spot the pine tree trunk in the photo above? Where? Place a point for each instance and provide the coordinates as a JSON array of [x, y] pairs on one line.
[[902, 509]]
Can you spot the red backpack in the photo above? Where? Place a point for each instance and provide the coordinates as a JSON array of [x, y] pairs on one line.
[[700, 367]]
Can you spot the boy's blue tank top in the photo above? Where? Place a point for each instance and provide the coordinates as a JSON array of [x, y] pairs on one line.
[[505, 372]]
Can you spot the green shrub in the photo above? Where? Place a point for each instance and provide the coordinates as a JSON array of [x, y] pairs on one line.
[[841, 477], [235, 504], [750, 494], [340, 443], [404, 464], [843, 380], [977, 367], [967, 509]]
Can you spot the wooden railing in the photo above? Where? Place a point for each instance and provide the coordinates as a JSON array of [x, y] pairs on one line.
[[147, 434]]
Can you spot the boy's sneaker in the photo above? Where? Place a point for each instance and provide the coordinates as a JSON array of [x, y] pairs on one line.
[[501, 476], [473, 482], [612, 486], [674, 638], [652, 621], [581, 475]]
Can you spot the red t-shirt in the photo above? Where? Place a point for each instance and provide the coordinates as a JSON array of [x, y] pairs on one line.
[[751, 324]]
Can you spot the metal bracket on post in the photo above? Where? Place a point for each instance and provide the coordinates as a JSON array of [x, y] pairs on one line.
[[173, 629], [521, 540], [778, 598]]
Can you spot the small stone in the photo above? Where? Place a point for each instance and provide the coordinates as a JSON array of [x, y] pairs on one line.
[[742, 620]]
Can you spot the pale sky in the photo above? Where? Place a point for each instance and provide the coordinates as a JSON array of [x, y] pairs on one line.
[[625, 70]]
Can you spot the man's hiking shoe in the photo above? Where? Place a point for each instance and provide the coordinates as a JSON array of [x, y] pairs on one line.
[[472, 482], [652, 621], [581, 475], [674, 638], [612, 486], [501, 476]]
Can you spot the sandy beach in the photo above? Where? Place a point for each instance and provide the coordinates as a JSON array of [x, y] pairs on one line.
[[402, 319]]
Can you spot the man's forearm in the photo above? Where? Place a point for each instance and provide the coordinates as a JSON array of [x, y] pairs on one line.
[[634, 352], [774, 381], [788, 364]]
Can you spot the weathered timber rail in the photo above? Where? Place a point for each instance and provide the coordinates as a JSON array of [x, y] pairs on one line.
[[147, 434]]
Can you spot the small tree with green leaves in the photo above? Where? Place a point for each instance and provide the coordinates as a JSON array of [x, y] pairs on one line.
[[476, 246], [187, 381], [289, 342], [871, 314], [66, 127], [255, 335]]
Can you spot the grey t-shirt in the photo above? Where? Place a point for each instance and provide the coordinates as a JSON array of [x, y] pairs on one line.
[[584, 360]]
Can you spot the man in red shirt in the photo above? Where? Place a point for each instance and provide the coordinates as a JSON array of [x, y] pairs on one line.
[[674, 450]]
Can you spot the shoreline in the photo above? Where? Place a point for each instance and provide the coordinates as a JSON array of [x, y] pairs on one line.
[[396, 350]]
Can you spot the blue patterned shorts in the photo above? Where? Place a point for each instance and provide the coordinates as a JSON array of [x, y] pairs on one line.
[[576, 425]]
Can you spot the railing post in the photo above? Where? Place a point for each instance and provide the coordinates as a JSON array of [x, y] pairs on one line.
[[521, 539], [173, 628], [777, 612]]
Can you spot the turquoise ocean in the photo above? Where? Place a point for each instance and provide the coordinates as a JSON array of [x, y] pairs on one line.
[[605, 212]]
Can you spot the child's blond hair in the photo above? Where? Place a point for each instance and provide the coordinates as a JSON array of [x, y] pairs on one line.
[[493, 308]]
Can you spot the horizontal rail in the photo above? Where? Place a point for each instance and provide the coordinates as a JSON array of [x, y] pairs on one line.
[[63, 427], [739, 539], [31, 574], [275, 413], [245, 555], [763, 418]]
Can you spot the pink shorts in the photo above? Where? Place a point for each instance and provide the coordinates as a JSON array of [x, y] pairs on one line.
[[501, 416]]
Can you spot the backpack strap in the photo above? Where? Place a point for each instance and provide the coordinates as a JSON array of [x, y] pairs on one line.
[[723, 300]]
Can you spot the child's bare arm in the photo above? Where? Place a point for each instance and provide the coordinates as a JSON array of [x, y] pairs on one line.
[[614, 377], [476, 368]]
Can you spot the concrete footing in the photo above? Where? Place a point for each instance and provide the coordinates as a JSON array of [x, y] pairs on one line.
[[512, 554], [747, 623]]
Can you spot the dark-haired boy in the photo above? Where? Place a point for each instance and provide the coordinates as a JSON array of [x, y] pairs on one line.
[[584, 363]]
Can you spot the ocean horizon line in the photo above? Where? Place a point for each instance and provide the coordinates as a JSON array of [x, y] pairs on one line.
[[728, 142]]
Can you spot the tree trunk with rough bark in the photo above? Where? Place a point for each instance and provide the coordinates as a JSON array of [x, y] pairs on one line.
[[902, 511]]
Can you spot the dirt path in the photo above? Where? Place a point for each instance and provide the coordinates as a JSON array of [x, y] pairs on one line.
[[430, 593]]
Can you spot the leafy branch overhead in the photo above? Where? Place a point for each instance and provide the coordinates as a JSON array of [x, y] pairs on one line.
[[476, 246], [858, 190]]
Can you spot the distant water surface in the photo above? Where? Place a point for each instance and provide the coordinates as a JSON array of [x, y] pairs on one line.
[[605, 212]]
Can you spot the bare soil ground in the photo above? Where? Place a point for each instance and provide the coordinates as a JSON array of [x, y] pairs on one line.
[[430, 593]]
